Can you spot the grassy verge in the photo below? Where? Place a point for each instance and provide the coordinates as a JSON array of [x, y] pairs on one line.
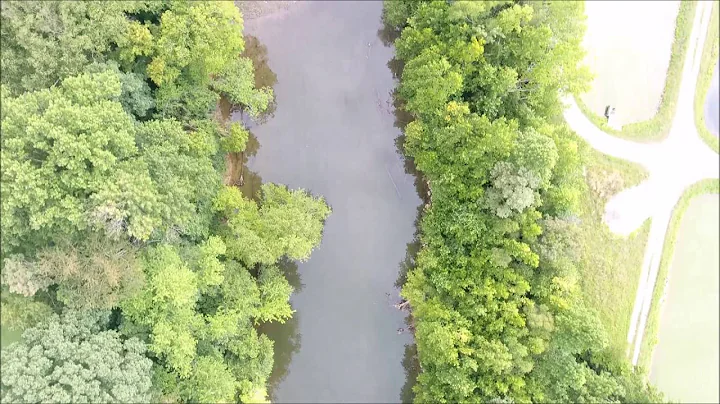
[[651, 327], [658, 127], [707, 64], [610, 264]]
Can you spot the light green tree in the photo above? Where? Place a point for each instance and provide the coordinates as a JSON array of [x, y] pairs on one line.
[[197, 312], [44, 42], [74, 160], [287, 223], [74, 359]]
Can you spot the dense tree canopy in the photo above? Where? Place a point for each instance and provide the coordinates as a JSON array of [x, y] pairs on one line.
[[112, 200], [74, 160], [198, 313], [74, 358], [44, 42], [287, 223], [497, 313]]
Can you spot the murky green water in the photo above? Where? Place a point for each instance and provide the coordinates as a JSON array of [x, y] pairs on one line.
[[333, 133]]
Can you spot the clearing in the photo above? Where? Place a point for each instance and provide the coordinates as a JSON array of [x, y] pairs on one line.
[[609, 263], [629, 59]]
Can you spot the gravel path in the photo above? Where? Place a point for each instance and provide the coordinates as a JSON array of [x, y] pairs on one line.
[[674, 164]]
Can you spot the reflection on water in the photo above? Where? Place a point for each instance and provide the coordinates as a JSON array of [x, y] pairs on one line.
[[410, 362], [264, 76], [412, 370], [286, 336], [388, 34], [257, 52]]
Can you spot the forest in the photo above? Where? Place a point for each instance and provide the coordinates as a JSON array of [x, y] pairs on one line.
[[137, 275], [494, 293]]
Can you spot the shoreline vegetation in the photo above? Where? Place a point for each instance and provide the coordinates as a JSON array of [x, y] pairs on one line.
[[657, 128], [121, 244], [494, 292]]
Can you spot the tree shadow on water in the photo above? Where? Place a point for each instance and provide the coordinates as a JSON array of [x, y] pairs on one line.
[[286, 337], [387, 33], [264, 76], [412, 370], [410, 362]]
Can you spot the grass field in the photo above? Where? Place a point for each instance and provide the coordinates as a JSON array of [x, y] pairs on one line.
[[685, 361], [707, 63], [651, 328], [610, 264], [658, 126]]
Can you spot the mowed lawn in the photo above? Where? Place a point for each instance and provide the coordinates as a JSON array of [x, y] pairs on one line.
[[610, 264], [685, 364], [629, 44]]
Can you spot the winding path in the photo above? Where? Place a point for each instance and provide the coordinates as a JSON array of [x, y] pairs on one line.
[[677, 162]]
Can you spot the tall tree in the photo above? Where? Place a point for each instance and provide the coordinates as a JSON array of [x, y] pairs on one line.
[[196, 312], [287, 223], [74, 358], [44, 42], [74, 160], [496, 315]]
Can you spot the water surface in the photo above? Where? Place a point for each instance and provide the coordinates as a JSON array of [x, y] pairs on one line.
[[333, 133]]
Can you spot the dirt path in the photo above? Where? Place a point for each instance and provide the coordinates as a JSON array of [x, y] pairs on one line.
[[675, 163]]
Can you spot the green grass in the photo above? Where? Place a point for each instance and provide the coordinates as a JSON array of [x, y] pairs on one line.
[[651, 327], [610, 264], [658, 127], [707, 64]]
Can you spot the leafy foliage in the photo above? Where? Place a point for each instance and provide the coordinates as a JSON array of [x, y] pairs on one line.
[[236, 140], [71, 163], [94, 275], [44, 42], [197, 312], [110, 178], [498, 317], [287, 223], [74, 359]]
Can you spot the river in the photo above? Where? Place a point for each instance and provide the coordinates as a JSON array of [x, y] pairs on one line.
[[333, 132]]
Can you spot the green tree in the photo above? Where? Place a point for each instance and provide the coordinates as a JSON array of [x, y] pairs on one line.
[[44, 42], [74, 358], [287, 223], [236, 140], [74, 160], [497, 315], [96, 274], [197, 313]]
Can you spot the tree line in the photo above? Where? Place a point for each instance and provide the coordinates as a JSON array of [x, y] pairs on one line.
[[495, 299], [136, 274]]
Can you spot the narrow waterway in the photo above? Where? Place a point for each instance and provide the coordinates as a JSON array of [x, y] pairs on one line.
[[333, 133]]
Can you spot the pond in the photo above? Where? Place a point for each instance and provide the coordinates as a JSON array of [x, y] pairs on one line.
[[685, 362], [333, 132]]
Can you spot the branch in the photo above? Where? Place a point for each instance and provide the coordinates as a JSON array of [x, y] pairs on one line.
[[402, 305]]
